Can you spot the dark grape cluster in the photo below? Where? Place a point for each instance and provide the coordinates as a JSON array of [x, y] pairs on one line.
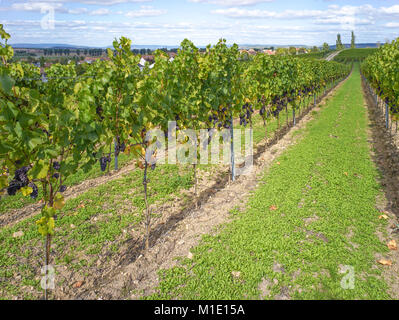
[[63, 188], [263, 112], [35, 190], [56, 166], [246, 114], [220, 119], [211, 132], [279, 105], [120, 147], [103, 162], [13, 187], [20, 180]]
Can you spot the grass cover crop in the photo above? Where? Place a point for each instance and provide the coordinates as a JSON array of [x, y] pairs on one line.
[[313, 216]]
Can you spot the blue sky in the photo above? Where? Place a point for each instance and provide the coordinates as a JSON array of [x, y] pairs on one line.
[[282, 22]]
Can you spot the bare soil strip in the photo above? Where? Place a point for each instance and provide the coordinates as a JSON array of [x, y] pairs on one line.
[[136, 275], [385, 155]]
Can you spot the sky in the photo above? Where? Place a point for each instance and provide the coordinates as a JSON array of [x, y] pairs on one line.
[[167, 22]]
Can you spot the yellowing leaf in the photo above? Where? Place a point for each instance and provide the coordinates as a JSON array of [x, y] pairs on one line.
[[26, 191], [127, 150], [272, 208], [50, 225], [78, 284], [77, 87], [59, 202], [385, 262], [140, 164], [383, 216], [3, 182], [392, 245]]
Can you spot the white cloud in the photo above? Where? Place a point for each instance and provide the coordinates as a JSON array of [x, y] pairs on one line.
[[35, 6], [100, 12], [76, 11], [392, 25], [256, 13], [231, 3], [390, 10], [145, 11], [91, 2]]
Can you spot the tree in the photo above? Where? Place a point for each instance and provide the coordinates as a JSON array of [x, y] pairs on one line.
[[302, 50], [339, 42], [281, 51], [353, 46], [326, 47], [315, 49], [42, 62], [292, 51]]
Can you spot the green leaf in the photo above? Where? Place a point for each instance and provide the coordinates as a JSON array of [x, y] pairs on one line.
[[33, 142], [39, 170], [18, 130], [6, 83]]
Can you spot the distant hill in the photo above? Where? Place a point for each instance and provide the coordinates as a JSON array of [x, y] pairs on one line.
[[46, 46], [154, 47]]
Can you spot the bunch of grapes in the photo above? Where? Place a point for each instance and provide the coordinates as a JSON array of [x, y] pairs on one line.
[[63, 188], [211, 132], [120, 147], [20, 180], [278, 104], [35, 190], [263, 112], [104, 161], [56, 166], [245, 117], [227, 124], [220, 119]]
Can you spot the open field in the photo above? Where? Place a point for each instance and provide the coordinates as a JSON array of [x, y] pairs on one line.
[[353, 55]]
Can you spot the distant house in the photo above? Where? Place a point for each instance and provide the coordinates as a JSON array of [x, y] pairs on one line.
[[89, 60], [269, 52], [146, 59], [252, 52]]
